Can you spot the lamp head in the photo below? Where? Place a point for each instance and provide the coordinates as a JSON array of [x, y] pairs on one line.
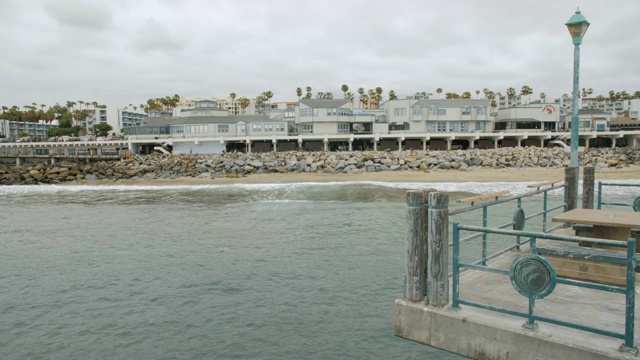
[[577, 26]]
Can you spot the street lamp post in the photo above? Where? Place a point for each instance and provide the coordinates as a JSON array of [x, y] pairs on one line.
[[577, 26]]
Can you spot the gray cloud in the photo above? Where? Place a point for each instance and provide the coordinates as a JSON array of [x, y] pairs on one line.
[[156, 36], [78, 14], [123, 51]]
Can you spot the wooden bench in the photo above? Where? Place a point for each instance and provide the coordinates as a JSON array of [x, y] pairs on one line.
[[602, 266], [482, 197]]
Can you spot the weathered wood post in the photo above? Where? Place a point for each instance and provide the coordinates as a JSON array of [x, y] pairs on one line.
[[415, 275], [438, 249], [588, 187], [571, 188]]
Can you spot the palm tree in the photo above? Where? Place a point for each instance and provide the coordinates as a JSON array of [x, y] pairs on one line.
[[526, 90], [299, 93], [344, 89], [392, 95], [268, 95], [349, 96], [308, 94], [636, 95], [244, 103], [511, 93], [466, 95], [232, 96], [439, 91], [477, 93], [543, 96]]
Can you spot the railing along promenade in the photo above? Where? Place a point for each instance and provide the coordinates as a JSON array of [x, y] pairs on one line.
[[65, 150]]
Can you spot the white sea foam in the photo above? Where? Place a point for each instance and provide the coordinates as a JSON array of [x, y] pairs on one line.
[[515, 188]]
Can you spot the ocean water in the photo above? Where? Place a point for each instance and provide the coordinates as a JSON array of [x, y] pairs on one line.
[[286, 271]]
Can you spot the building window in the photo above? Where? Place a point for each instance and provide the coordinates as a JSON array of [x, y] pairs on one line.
[[256, 127], [241, 129], [466, 110], [481, 110], [454, 127], [308, 112], [306, 128], [431, 127], [481, 125], [343, 128], [223, 128], [280, 127], [196, 129], [401, 127], [399, 112], [268, 127], [441, 127], [464, 126], [442, 112], [417, 111], [433, 110]]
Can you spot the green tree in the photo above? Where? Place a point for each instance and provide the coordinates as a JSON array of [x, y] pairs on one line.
[[439, 91], [101, 129], [477, 93], [232, 96], [392, 95], [466, 95], [308, 95], [543, 96], [511, 94], [299, 93]]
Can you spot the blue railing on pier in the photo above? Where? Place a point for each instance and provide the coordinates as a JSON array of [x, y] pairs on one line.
[[521, 204], [622, 259], [635, 204]]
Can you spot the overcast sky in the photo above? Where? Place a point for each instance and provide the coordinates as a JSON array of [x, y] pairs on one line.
[[118, 52]]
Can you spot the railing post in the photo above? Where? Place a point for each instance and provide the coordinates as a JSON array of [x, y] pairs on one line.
[[438, 249], [571, 188], [599, 195], [588, 186], [416, 260], [630, 297]]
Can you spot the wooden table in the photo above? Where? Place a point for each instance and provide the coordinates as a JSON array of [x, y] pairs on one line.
[[607, 224]]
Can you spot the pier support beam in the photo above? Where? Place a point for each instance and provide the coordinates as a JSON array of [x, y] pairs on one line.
[[588, 186], [571, 188], [438, 249], [416, 258]]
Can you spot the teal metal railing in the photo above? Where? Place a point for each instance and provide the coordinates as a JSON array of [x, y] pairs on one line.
[[635, 205], [518, 221], [628, 259]]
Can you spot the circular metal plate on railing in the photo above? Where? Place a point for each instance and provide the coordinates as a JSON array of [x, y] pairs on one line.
[[532, 276], [518, 219], [636, 204]]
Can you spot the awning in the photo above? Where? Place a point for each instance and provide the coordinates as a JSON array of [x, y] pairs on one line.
[[397, 123]]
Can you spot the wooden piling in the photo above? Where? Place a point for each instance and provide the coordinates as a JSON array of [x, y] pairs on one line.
[[438, 249], [588, 186], [571, 189], [415, 275]]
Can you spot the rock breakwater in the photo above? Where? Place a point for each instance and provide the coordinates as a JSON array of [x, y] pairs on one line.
[[210, 166]]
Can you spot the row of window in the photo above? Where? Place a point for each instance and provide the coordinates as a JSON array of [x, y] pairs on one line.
[[436, 111], [224, 128], [454, 126]]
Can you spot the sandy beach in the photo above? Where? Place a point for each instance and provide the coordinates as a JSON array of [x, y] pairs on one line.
[[475, 174]]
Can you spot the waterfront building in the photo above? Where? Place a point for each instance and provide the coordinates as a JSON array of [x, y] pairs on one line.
[[534, 117], [12, 129]]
